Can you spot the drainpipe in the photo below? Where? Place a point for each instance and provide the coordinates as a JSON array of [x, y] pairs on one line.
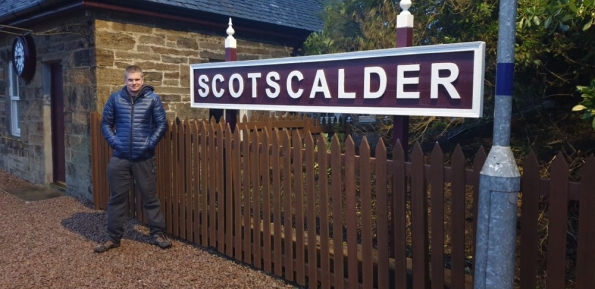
[[500, 179]]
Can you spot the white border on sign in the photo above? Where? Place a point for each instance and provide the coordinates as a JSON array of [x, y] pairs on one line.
[[478, 48]]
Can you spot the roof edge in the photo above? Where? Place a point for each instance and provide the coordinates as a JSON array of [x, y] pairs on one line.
[[290, 35], [37, 6], [294, 40]]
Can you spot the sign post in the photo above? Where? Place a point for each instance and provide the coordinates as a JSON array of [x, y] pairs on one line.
[[404, 39], [231, 45]]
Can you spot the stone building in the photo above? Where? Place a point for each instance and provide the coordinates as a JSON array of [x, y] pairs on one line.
[[73, 54]]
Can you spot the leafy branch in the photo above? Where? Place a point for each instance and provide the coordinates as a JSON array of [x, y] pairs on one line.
[[588, 103]]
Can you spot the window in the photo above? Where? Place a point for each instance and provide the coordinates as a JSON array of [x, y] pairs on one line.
[[15, 128]]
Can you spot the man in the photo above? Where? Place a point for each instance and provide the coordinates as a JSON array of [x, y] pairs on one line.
[[133, 123]]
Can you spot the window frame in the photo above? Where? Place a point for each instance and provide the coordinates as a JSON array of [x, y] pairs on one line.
[[13, 91]]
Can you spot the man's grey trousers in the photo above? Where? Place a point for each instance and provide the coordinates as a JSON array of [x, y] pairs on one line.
[[120, 174]]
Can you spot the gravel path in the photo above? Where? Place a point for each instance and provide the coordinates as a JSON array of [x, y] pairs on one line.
[[49, 244]]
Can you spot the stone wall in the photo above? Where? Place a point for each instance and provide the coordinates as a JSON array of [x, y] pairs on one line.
[[93, 49], [66, 42], [165, 53]]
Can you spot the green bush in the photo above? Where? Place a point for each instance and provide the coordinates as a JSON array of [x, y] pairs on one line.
[[588, 103]]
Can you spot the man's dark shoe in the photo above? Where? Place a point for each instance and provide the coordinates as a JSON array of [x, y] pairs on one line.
[[161, 241], [106, 246]]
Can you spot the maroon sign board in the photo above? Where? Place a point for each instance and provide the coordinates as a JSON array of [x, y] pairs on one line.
[[433, 80]]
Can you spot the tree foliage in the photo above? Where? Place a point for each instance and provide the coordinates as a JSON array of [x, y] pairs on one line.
[[354, 25], [588, 103], [554, 51]]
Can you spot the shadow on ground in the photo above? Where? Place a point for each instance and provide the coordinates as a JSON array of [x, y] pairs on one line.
[[92, 226]]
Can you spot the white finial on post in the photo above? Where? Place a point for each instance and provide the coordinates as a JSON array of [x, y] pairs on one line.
[[231, 115], [405, 18], [405, 5], [230, 41]]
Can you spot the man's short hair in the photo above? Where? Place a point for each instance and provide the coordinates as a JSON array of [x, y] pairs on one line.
[[132, 69]]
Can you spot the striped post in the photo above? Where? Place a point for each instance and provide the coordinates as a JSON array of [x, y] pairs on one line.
[[405, 25], [500, 179], [230, 44], [404, 39], [231, 55]]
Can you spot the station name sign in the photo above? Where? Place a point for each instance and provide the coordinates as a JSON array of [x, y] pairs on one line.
[[433, 80]]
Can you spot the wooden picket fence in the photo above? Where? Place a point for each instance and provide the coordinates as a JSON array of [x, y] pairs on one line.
[[288, 202]]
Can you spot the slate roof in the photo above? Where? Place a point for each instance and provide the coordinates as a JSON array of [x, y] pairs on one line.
[[293, 13], [300, 14]]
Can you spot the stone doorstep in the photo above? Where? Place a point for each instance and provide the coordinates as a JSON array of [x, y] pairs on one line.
[[34, 193], [447, 273], [59, 186]]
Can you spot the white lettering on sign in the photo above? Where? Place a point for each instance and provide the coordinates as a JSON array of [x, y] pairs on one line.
[[433, 80], [202, 82], [368, 71], [446, 82], [294, 74], [271, 78], [402, 81], [218, 93], [341, 82], [254, 77], [320, 85], [236, 77]]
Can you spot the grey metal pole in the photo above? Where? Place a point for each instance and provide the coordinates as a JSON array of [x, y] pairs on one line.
[[500, 178]]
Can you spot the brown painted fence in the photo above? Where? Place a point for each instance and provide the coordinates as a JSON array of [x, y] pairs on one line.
[[285, 201]]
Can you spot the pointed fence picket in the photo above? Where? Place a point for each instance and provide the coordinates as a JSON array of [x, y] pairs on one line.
[[586, 231], [285, 199]]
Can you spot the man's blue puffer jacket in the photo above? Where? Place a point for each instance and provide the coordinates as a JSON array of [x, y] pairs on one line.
[[134, 126]]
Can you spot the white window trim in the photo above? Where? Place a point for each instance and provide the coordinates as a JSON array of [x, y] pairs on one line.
[[15, 128]]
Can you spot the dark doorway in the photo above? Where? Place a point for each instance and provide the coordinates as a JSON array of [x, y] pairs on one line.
[[57, 111], [216, 113]]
